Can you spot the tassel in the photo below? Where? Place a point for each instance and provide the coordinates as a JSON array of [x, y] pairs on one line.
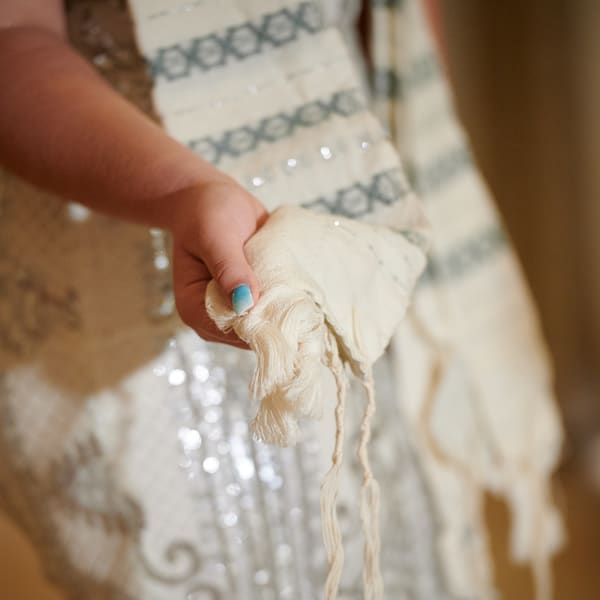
[[287, 331], [369, 501], [332, 537]]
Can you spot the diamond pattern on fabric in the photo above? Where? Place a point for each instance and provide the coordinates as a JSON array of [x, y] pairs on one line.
[[235, 142], [361, 198], [236, 43]]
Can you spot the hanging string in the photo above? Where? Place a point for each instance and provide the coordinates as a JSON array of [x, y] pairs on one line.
[[369, 501], [332, 537]]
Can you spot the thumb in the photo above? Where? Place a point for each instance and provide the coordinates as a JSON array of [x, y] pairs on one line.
[[224, 257]]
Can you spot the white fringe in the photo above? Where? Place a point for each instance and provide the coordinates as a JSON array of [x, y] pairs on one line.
[[287, 331]]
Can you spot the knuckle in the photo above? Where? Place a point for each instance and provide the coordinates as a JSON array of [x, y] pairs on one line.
[[224, 271]]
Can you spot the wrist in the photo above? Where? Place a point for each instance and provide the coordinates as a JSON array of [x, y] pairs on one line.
[[182, 189], [211, 209], [183, 210]]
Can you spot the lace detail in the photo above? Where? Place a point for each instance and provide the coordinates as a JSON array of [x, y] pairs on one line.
[[31, 311], [83, 483], [34, 305], [244, 520]]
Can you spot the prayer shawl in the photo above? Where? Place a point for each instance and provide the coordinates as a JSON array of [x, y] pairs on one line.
[[477, 380], [315, 311], [262, 90]]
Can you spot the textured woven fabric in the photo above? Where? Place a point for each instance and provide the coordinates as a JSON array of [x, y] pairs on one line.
[[476, 382], [329, 284], [314, 311]]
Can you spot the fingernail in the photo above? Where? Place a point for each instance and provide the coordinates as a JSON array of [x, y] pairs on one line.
[[242, 300]]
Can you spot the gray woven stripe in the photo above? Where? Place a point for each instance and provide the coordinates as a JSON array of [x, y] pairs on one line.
[[241, 140], [236, 43], [440, 171], [394, 4], [355, 201], [473, 253], [397, 84]]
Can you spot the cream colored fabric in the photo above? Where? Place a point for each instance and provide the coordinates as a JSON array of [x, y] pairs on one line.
[[327, 284], [460, 337], [323, 138], [333, 292], [476, 379]]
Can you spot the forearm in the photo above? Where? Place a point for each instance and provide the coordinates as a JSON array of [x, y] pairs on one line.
[[63, 128]]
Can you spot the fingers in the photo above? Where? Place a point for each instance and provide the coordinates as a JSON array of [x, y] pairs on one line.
[[225, 259], [209, 244], [191, 278], [190, 305]]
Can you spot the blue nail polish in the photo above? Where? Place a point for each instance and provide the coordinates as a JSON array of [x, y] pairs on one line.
[[242, 300]]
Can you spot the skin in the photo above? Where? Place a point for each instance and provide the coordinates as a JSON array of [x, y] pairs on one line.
[[63, 128]]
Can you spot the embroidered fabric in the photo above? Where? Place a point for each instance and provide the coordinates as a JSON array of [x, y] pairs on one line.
[[125, 452]]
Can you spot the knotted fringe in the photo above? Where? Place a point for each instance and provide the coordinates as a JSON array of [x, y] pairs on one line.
[[369, 493], [287, 331]]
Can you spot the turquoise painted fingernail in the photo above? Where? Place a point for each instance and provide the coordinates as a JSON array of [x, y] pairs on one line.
[[242, 300]]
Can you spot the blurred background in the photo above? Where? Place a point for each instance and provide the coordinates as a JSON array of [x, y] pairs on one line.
[[527, 80]]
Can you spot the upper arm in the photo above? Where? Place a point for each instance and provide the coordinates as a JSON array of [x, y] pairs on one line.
[[47, 14]]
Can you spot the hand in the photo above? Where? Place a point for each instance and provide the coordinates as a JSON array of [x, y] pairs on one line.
[[211, 224]]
